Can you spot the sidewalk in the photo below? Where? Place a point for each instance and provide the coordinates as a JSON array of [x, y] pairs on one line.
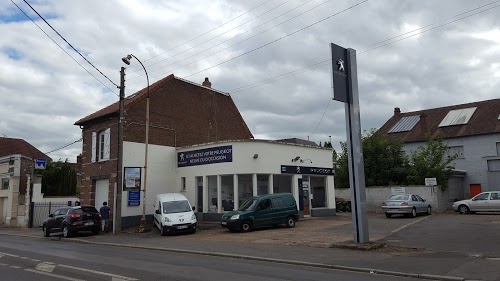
[[395, 260]]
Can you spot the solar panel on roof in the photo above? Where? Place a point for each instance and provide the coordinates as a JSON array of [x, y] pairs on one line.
[[457, 117], [405, 124]]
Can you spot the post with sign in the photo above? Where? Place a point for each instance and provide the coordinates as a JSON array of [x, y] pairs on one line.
[[345, 89]]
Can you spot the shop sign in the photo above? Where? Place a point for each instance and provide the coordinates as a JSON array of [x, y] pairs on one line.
[[134, 198], [205, 156], [285, 169]]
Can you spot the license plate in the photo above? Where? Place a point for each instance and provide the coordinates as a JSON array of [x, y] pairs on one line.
[[182, 227], [89, 223], [224, 223]]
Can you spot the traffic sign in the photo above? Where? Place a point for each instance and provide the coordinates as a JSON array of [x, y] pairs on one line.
[[40, 164]]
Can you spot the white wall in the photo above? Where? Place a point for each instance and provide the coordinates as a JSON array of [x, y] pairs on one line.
[[271, 155], [39, 198], [161, 174]]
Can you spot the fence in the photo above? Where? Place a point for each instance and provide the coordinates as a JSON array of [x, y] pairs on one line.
[[40, 211]]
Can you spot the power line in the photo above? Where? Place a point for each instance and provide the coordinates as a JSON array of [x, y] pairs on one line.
[[276, 40], [70, 44], [208, 40], [62, 47], [328, 61], [198, 36], [205, 57], [322, 116], [66, 145]]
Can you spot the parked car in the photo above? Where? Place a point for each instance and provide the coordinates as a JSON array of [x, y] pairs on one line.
[[173, 213], [70, 220], [407, 204], [483, 202], [262, 211]]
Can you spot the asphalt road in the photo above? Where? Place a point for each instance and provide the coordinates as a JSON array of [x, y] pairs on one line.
[[23, 258]]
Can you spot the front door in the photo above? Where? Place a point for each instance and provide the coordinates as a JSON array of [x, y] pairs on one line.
[[305, 196], [199, 200], [101, 192]]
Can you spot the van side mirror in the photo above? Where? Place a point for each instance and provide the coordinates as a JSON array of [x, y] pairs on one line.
[[194, 208], [157, 212]]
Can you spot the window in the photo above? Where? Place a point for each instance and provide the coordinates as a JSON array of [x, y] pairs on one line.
[[277, 203], [495, 196], [264, 205], [455, 150], [100, 145], [498, 148], [482, 196], [420, 198], [176, 207], [5, 183], [183, 183], [413, 198]]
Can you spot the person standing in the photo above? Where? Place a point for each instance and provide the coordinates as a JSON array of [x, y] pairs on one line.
[[104, 211]]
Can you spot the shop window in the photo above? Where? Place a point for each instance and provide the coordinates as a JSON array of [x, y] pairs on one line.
[[212, 193], [262, 184], [282, 184], [245, 188], [227, 193]]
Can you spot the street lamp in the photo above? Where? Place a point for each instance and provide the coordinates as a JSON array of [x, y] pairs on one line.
[[143, 227]]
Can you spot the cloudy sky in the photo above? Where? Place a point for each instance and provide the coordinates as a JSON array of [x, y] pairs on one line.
[[272, 56]]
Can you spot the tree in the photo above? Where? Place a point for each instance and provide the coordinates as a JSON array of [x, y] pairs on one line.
[[430, 161], [59, 179]]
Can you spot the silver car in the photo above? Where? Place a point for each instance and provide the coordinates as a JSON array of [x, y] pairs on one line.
[[483, 202], [407, 204]]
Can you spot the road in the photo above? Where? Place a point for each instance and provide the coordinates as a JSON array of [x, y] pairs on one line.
[[24, 258]]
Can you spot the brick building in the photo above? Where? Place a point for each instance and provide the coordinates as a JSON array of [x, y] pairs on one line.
[[182, 113]]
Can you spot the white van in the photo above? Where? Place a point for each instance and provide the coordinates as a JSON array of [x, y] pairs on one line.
[[173, 213]]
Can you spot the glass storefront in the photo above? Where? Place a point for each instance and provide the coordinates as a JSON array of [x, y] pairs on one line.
[[227, 193], [212, 193], [282, 184], [262, 184], [245, 188]]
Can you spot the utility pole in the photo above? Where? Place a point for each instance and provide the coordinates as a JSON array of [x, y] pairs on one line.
[[117, 214]]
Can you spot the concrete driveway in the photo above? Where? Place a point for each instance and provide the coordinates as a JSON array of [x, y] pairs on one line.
[[474, 234]]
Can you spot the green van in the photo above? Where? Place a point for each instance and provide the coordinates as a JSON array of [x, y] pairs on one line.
[[262, 211]]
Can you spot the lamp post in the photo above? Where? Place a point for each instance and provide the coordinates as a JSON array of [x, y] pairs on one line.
[[143, 227]]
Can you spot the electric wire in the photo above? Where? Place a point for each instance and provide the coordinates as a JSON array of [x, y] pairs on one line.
[[262, 32], [62, 48], [328, 61], [276, 40], [198, 36], [217, 36], [66, 145], [70, 44]]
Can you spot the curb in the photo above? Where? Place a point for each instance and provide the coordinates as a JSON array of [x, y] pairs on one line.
[[254, 258]]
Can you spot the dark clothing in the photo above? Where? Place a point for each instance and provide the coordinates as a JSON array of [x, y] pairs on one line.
[[105, 212]]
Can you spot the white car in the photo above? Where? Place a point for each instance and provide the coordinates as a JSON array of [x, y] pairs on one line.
[[483, 202], [173, 213]]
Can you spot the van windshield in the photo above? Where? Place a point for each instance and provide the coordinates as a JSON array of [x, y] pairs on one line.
[[248, 205], [176, 207]]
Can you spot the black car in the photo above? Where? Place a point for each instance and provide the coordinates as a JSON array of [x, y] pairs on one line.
[[70, 220]]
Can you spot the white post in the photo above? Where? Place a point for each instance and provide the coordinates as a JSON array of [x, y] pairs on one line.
[[254, 184], [219, 194], [271, 184], [235, 192], [205, 194], [330, 193]]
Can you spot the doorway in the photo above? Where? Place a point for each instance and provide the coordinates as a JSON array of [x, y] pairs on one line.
[[101, 192], [199, 195]]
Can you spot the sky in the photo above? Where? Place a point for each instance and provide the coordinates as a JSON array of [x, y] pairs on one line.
[[271, 56]]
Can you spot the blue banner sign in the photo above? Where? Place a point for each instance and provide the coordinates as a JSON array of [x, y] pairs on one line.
[[134, 198], [306, 170], [205, 156]]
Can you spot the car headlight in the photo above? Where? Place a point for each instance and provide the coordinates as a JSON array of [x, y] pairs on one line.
[[166, 219], [193, 217], [235, 217]]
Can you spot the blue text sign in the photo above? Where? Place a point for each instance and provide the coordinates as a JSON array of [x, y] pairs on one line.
[[305, 170], [134, 198], [219, 154]]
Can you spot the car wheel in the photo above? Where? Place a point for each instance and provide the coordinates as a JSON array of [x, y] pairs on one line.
[[387, 215], [246, 226], [163, 230], [413, 213], [290, 222], [66, 232], [46, 231], [463, 209], [429, 210]]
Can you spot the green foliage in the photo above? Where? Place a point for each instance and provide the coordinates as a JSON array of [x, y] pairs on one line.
[[386, 164], [429, 161], [59, 179]]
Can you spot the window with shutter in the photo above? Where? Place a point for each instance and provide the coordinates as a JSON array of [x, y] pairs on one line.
[[107, 144], [94, 146]]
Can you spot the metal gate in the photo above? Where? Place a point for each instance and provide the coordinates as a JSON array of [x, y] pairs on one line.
[[40, 211]]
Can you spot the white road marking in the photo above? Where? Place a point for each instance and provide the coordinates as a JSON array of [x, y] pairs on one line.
[[119, 277], [53, 275], [15, 266], [45, 266], [4, 264], [10, 255], [493, 259], [405, 226]]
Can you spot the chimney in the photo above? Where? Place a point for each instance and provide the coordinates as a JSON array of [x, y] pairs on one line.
[[397, 111], [207, 83]]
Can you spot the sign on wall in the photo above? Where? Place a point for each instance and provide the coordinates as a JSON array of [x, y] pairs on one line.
[[40, 164], [205, 156], [305, 170], [134, 198], [398, 190], [430, 182], [132, 178]]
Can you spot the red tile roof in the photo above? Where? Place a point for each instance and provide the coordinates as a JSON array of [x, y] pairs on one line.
[[9, 146], [129, 101], [485, 120]]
